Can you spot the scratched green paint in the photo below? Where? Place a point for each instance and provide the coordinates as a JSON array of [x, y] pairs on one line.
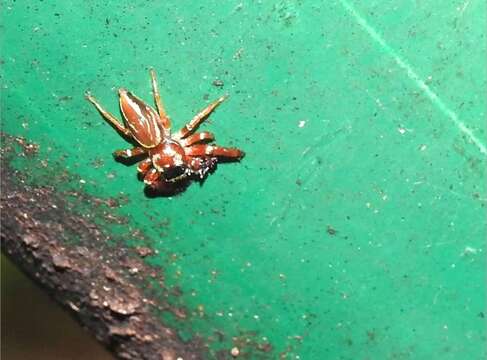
[[355, 226]]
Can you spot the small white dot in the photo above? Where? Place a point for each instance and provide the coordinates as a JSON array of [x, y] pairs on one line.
[[235, 351]]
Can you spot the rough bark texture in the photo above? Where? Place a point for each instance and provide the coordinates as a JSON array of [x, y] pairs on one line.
[[99, 283]]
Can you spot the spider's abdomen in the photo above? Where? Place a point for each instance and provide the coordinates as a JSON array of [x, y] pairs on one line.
[[141, 120]]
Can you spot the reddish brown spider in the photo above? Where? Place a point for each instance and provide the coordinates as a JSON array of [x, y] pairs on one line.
[[166, 158]]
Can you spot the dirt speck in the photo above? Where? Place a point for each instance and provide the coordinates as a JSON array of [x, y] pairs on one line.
[[330, 230], [143, 251], [218, 83], [235, 351], [60, 261]]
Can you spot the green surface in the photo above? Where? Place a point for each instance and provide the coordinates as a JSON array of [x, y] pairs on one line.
[[355, 226]]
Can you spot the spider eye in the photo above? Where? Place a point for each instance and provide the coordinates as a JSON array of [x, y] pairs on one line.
[[174, 172]]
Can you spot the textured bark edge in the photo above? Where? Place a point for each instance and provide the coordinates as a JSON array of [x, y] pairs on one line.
[[99, 285]]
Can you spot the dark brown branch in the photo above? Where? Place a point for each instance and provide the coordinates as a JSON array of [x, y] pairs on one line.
[[99, 283]]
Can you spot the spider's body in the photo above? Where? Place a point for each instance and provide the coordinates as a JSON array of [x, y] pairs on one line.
[[167, 157]]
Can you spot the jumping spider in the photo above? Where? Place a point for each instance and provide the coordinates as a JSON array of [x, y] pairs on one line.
[[165, 158]]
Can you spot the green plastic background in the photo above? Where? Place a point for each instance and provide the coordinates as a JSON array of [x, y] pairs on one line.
[[354, 227]]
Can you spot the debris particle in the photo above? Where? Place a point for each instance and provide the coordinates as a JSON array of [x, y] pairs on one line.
[[133, 270], [110, 274], [235, 351], [265, 347], [31, 240], [302, 123], [73, 306], [469, 251], [218, 83], [143, 251], [239, 52], [121, 331], [121, 306], [179, 313], [29, 148], [371, 335], [60, 261], [331, 231]]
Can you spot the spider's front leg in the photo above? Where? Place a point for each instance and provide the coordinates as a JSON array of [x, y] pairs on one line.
[[144, 166], [198, 119], [215, 150], [151, 177], [127, 154], [163, 120], [110, 118]]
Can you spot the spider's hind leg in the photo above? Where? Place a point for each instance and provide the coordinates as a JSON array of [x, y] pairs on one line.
[[215, 150], [198, 137]]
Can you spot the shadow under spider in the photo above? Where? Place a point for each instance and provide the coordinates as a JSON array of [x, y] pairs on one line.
[[131, 160], [168, 189]]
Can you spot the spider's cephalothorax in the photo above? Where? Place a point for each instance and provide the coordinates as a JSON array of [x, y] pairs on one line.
[[166, 157]]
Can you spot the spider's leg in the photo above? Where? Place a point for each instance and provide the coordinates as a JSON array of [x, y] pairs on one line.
[[214, 150], [125, 154], [112, 120], [198, 119], [165, 123], [198, 137], [151, 177], [144, 166]]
